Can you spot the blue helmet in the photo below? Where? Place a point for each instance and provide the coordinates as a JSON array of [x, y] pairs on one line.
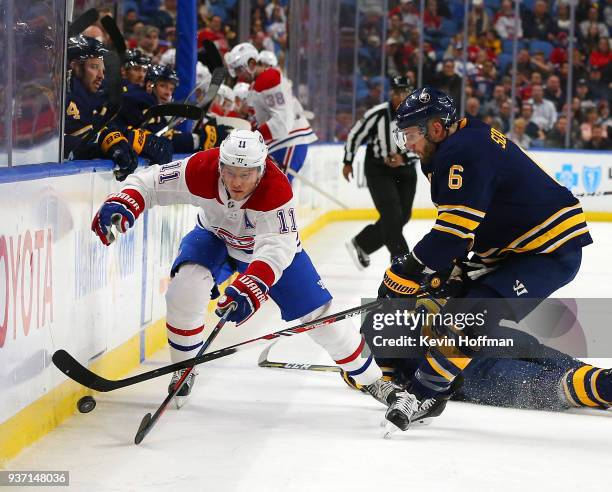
[[161, 72], [83, 47], [136, 58], [422, 105]]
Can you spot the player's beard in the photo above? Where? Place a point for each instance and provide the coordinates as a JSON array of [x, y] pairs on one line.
[[429, 150]]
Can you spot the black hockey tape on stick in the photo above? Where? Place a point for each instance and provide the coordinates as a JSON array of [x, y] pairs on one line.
[[189, 111], [82, 22], [72, 368], [209, 55], [110, 26]]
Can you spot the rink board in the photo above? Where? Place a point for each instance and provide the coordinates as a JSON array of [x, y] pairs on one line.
[[60, 288]]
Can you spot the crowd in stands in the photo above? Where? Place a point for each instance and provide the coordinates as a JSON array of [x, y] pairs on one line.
[[542, 30], [539, 118]]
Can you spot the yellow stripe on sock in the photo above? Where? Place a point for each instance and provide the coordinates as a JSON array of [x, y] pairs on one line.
[[579, 386], [454, 356], [594, 389], [439, 369]]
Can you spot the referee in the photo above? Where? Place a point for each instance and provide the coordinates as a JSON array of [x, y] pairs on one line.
[[391, 177]]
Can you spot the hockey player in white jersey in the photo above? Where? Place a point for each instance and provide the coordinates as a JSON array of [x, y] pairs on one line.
[[279, 119], [246, 223]]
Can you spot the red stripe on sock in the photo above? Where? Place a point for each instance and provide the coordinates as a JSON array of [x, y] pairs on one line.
[[185, 333], [354, 355]]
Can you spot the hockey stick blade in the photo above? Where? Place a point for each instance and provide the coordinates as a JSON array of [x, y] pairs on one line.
[[149, 421], [110, 26], [264, 362], [77, 372], [82, 22], [188, 111]]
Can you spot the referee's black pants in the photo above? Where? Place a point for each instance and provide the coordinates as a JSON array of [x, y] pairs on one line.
[[393, 194]]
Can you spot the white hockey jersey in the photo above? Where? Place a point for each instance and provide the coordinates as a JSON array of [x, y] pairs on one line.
[[278, 113], [260, 230]]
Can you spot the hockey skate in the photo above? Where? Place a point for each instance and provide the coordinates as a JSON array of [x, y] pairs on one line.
[[181, 397], [358, 255]]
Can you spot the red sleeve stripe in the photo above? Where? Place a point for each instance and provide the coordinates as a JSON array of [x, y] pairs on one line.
[[262, 271], [265, 132], [184, 333], [266, 80], [354, 355]]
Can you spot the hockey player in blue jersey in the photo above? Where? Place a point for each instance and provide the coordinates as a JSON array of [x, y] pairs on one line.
[[521, 228]]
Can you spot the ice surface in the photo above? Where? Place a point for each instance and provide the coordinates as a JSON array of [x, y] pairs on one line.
[[252, 429]]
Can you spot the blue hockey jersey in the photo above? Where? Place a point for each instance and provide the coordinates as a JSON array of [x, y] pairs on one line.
[[494, 200]]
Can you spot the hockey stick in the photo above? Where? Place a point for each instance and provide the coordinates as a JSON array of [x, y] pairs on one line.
[[217, 78], [595, 193], [264, 362], [209, 55], [111, 28], [188, 111], [149, 421], [82, 22], [307, 182], [77, 372]]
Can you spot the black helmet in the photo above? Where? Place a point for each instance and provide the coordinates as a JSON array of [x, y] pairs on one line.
[[161, 72], [136, 58], [424, 104], [83, 47], [401, 84]]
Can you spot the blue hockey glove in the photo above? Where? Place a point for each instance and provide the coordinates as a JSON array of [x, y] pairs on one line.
[[121, 210], [247, 293]]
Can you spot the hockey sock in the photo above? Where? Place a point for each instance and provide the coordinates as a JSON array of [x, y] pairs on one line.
[[588, 386], [437, 371]]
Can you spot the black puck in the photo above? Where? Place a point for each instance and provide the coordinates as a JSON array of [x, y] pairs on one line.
[[86, 404]]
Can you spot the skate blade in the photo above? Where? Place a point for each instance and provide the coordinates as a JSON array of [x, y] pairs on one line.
[[354, 256], [179, 401], [389, 428]]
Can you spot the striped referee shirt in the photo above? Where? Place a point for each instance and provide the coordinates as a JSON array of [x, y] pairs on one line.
[[375, 128]]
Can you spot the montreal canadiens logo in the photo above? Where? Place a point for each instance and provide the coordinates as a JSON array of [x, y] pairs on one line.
[[424, 97]]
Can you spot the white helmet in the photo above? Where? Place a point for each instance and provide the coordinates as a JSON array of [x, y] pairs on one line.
[[168, 58], [240, 56], [225, 92], [268, 58], [202, 76], [243, 148], [241, 90]]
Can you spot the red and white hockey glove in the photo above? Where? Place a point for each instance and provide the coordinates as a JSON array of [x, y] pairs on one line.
[[247, 293], [121, 210]]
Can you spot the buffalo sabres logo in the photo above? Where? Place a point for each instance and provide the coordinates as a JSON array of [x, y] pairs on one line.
[[424, 97]]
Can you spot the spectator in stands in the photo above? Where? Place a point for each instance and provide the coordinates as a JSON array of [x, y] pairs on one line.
[[544, 111], [478, 18], [583, 94], [598, 88], [539, 63], [505, 23], [395, 65], [607, 13], [484, 82], [493, 42], [532, 130], [553, 92], [431, 19], [539, 23], [408, 13], [472, 107], [148, 42], [274, 8], [601, 55], [214, 31], [555, 138], [523, 63], [277, 28], [603, 108], [260, 39], [559, 52], [582, 10], [590, 119], [505, 114], [518, 135], [563, 21], [493, 106], [599, 139], [395, 29], [592, 21], [448, 80]]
